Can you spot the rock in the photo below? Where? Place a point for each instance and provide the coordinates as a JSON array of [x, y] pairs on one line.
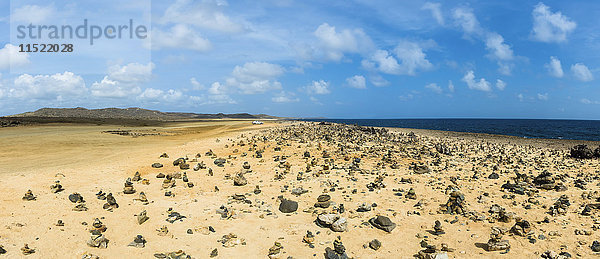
[[220, 162], [163, 231], [340, 225], [521, 228], [128, 188], [257, 190], [246, 165], [136, 177], [595, 246], [164, 155], [214, 253], [495, 243], [275, 249], [326, 220], [323, 201], [338, 251], [142, 217], [160, 175], [438, 228], [560, 206], [456, 204], [26, 250], [288, 206], [309, 238], [138, 242], [97, 240], [582, 152], [2, 250], [111, 203], [299, 191], [384, 223], [157, 165], [56, 187], [364, 207], [411, 194], [493, 175], [239, 180], [29, 196], [375, 244], [179, 161]]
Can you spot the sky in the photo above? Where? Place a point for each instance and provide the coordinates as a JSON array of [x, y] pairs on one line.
[[334, 59]]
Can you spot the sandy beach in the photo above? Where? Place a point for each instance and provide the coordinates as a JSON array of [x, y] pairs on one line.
[[349, 175]]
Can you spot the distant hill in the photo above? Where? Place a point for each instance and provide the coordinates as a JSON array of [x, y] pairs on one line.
[[131, 114]]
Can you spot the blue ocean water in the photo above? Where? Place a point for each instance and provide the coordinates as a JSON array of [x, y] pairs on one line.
[[526, 128]]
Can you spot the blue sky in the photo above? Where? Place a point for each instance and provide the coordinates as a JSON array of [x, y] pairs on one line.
[[341, 59]]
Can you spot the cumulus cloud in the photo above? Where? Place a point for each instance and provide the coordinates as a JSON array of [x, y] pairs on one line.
[[285, 97], [406, 59], [357, 81], [554, 67], [335, 43], [57, 87], [34, 14], [180, 36], [543, 97], [436, 11], [450, 86], [159, 96], [465, 18], [501, 85], [196, 85], [256, 77], [123, 81], [497, 48], [581, 72], [318, 87], [11, 57], [435, 88], [472, 83], [549, 26], [206, 14]]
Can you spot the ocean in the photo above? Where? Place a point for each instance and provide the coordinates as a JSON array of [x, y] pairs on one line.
[[525, 128]]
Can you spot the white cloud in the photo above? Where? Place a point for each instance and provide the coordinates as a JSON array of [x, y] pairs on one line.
[[57, 87], [588, 101], [357, 81], [335, 44], [160, 96], [33, 14], [378, 80], [11, 57], [411, 57], [501, 85], [498, 49], [581, 72], [494, 42], [123, 81], [205, 14], [318, 87], [465, 18], [285, 97], [217, 88], [521, 97], [436, 11], [256, 77], [549, 26], [196, 85], [481, 85], [543, 97], [554, 67], [435, 88], [180, 36], [450, 86]]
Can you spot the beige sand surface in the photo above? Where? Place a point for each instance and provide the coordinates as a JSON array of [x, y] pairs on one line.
[[86, 161]]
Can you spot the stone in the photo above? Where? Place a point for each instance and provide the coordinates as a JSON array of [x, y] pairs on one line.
[[309, 238], [157, 165], [137, 177], [299, 191], [138, 242], [495, 243], [595, 246], [521, 228], [29, 196], [111, 203], [56, 187], [97, 240], [288, 206], [340, 225], [239, 180], [364, 207], [257, 190], [26, 250], [142, 217], [375, 244], [455, 204], [437, 228], [128, 187], [581, 152], [220, 162], [214, 253], [275, 249], [384, 223]]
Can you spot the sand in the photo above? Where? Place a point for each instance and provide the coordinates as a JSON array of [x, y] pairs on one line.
[[86, 160]]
